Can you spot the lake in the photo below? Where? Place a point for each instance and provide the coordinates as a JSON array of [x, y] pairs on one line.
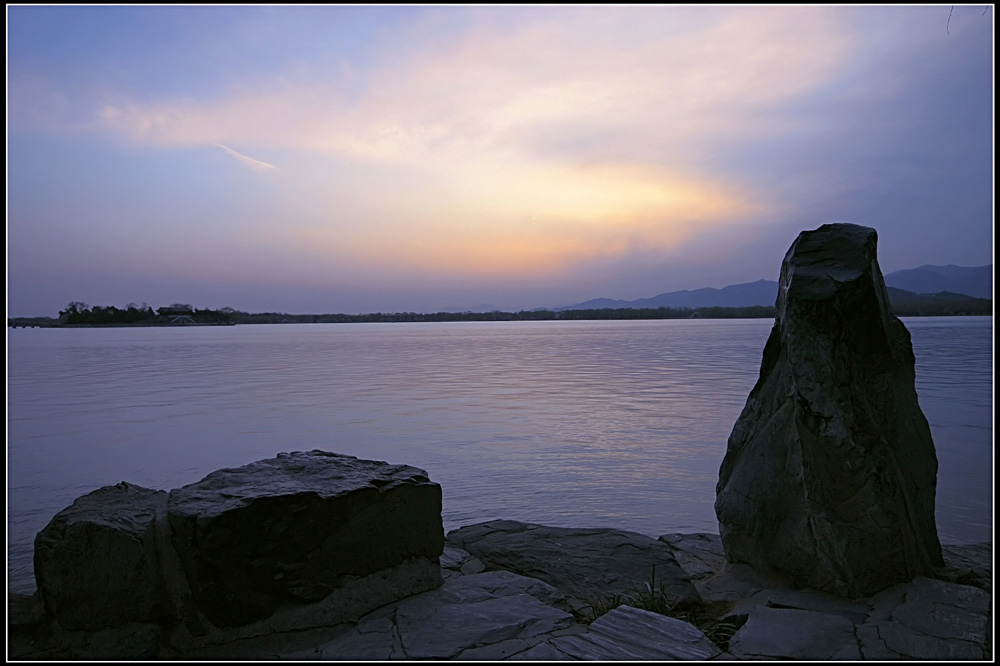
[[577, 423]]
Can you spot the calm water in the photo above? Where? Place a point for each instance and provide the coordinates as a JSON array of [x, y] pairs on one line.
[[618, 423]]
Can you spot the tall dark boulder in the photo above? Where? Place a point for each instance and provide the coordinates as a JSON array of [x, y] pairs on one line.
[[830, 471]]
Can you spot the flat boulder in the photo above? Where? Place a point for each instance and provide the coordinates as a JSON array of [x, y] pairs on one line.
[[300, 527], [790, 633], [969, 564], [457, 562], [96, 563], [589, 566], [928, 619], [700, 555], [480, 617], [829, 476], [632, 634]]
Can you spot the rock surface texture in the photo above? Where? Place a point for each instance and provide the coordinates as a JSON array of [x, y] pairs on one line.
[[304, 540], [500, 615], [829, 476], [297, 528], [587, 565], [96, 562]]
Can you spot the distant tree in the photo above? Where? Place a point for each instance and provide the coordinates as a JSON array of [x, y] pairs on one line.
[[135, 313], [175, 309], [228, 314], [75, 313], [74, 307]]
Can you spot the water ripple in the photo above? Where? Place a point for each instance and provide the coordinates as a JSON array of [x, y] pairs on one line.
[[567, 423]]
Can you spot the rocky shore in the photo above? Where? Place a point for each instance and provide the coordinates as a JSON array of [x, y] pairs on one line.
[[828, 546], [498, 590]]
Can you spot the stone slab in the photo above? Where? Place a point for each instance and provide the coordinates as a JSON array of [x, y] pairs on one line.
[[785, 633], [452, 629], [700, 555], [970, 564], [540, 652], [372, 640], [585, 564], [928, 619], [810, 600], [632, 634]]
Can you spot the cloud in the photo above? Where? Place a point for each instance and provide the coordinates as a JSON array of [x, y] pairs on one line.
[[256, 165], [545, 138], [674, 77]]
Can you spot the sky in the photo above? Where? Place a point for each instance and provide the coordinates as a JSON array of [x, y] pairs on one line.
[[320, 159]]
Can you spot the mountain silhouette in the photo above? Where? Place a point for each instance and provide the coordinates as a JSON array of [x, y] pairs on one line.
[[975, 281]]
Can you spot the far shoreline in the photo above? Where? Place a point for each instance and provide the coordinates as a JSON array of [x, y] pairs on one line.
[[621, 314]]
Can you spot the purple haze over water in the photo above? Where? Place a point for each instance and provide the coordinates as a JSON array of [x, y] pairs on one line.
[[611, 423]]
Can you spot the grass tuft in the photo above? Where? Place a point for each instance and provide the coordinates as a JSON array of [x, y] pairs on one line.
[[654, 598]]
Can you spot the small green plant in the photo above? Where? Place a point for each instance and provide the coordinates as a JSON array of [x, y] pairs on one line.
[[654, 598], [649, 597], [600, 605], [719, 633]]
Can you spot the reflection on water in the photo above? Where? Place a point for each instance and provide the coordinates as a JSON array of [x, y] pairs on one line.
[[620, 423]]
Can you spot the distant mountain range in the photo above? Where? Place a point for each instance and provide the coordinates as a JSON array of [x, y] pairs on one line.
[[761, 292], [976, 282]]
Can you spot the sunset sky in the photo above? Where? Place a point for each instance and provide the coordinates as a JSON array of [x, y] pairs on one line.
[[359, 159]]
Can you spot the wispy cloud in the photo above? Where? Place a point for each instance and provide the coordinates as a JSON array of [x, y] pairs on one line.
[[669, 78], [256, 165], [527, 144], [545, 141]]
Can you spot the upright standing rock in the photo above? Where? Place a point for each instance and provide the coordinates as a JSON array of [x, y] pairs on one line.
[[830, 472]]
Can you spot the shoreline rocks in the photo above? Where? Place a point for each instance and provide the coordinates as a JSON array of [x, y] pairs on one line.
[[298, 527], [96, 561], [590, 566], [303, 540], [493, 614]]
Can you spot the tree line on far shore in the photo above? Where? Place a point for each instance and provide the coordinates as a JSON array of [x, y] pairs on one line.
[[523, 315], [904, 304], [81, 314]]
